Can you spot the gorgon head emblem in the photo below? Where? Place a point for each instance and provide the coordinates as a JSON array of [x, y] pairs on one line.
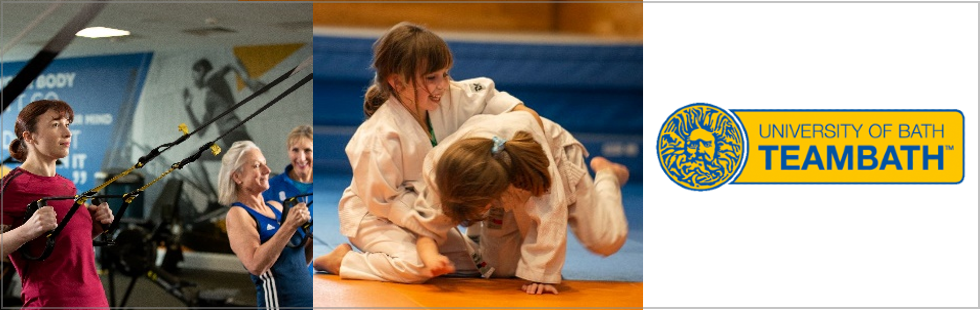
[[700, 147]]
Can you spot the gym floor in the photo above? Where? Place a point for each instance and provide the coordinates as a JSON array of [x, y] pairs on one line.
[[146, 293]]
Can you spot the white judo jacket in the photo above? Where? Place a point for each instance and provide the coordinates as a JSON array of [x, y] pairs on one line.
[[543, 220], [387, 151]]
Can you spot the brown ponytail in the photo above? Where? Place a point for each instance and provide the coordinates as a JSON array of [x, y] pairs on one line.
[[470, 177], [27, 121], [17, 150], [373, 99], [529, 164]]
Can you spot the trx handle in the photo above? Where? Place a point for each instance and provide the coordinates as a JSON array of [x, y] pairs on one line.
[[53, 234], [289, 203], [97, 201], [34, 206], [106, 238]]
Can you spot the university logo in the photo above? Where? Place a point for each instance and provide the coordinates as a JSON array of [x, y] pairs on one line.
[[700, 146]]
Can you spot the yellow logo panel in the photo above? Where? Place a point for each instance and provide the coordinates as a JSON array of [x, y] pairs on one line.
[[852, 146]]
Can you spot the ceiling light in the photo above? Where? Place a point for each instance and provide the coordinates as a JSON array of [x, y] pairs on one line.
[[101, 32]]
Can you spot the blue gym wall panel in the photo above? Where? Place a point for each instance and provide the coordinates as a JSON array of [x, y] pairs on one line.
[[595, 91]]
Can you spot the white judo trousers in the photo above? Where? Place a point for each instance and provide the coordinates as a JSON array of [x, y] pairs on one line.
[[386, 153], [597, 217], [389, 253]]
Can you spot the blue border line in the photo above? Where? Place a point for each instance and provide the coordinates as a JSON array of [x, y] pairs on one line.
[[962, 147], [745, 148], [847, 110]]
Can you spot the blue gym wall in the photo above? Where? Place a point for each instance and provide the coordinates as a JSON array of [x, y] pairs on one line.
[[593, 90]]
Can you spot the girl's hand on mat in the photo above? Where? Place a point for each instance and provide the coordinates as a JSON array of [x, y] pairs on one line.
[[536, 288], [438, 265]]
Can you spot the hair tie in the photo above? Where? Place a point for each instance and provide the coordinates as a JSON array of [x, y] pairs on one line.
[[498, 145]]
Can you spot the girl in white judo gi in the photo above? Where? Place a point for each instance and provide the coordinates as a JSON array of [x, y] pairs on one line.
[[525, 186], [411, 106]]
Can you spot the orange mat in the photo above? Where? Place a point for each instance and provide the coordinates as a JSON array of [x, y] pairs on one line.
[[331, 291]]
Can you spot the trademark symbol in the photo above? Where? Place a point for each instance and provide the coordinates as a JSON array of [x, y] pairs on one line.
[[949, 147]]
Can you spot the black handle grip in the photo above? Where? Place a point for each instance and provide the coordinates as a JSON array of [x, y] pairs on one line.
[[105, 227], [291, 202], [286, 206], [307, 228], [105, 238], [33, 207], [49, 244], [52, 235]]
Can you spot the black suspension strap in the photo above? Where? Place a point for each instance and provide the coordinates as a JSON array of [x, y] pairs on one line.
[[105, 238], [145, 159], [37, 20], [51, 235], [267, 105], [214, 147], [289, 203], [129, 197], [166, 146], [215, 150], [36, 65]]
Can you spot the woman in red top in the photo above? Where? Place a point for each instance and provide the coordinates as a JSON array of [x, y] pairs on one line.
[[67, 278]]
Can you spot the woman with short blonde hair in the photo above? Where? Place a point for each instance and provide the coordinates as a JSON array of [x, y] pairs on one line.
[[259, 232]]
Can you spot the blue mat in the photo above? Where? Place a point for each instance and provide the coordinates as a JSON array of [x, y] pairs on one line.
[[591, 88], [626, 265]]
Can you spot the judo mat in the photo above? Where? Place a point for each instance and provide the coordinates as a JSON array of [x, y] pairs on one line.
[[580, 264], [330, 291]]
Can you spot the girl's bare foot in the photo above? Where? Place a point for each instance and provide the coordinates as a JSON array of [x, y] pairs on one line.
[[601, 163], [331, 262]]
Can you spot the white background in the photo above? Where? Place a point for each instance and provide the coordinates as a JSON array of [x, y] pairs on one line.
[[810, 245]]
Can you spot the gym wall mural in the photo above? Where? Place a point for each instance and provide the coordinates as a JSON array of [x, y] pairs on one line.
[[193, 87], [126, 105], [197, 86]]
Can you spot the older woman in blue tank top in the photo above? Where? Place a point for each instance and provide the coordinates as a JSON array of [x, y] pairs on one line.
[[258, 233]]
